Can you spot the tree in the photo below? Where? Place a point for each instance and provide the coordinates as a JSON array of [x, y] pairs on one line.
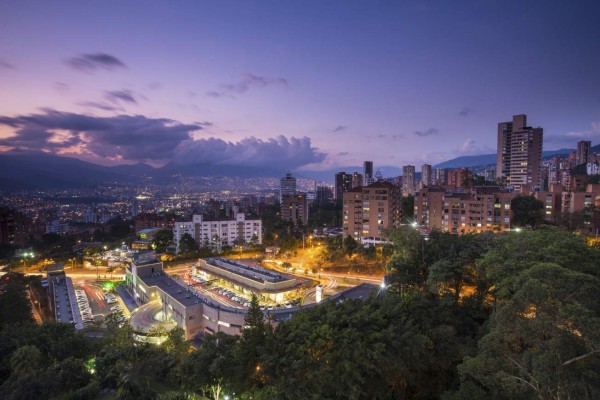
[[527, 211], [407, 263], [187, 244], [408, 208], [543, 340], [251, 347], [25, 360], [350, 245], [162, 239]]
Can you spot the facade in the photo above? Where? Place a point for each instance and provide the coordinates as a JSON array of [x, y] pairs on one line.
[[288, 186], [370, 210], [369, 178], [408, 180], [151, 220], [216, 233], [357, 180], [475, 210], [294, 207], [324, 194], [583, 152], [246, 279], [426, 177], [15, 227], [343, 183], [57, 227], [519, 157]]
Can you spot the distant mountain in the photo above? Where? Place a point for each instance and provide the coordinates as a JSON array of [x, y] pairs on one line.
[[45, 171], [32, 171], [489, 159]]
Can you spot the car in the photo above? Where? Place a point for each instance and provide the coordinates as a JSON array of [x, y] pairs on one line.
[[287, 304], [270, 308]]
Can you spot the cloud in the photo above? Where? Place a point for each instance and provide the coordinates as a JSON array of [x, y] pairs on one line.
[[128, 137], [339, 128], [343, 153], [570, 138], [6, 64], [279, 152], [393, 137], [116, 96], [468, 148], [159, 140], [428, 132], [248, 81], [204, 123], [61, 86], [92, 62], [465, 112], [100, 106]]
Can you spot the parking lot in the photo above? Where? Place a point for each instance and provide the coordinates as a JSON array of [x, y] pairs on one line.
[[97, 304]]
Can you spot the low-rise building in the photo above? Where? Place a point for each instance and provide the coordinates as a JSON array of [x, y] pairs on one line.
[[216, 233], [476, 210], [198, 314]]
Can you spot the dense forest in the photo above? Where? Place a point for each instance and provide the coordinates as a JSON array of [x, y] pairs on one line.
[[508, 316]]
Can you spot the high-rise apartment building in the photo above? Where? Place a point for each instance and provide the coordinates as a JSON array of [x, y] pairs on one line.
[[368, 176], [583, 152], [343, 183], [408, 180], [426, 177], [288, 185], [370, 210], [294, 207], [519, 157]]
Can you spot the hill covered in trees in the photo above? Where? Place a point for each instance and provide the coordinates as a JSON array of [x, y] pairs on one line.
[[511, 316]]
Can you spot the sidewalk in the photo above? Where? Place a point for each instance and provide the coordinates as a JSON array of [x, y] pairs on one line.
[[126, 299]]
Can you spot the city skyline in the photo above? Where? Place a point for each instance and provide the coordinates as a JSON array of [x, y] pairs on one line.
[[322, 86]]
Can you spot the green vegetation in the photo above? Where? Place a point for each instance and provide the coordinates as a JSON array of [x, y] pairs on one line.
[[508, 316]]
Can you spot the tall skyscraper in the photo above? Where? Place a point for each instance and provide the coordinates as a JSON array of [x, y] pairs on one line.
[[343, 183], [583, 152], [519, 158], [288, 185], [368, 173], [426, 174], [408, 180]]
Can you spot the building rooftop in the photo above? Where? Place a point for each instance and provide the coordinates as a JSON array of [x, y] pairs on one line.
[[255, 273]]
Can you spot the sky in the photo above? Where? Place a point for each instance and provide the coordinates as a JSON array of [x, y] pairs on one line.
[[298, 85]]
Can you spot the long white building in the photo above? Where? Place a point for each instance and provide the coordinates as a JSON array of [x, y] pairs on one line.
[[218, 233]]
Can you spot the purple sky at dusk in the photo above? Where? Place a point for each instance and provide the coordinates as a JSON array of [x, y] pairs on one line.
[[311, 84]]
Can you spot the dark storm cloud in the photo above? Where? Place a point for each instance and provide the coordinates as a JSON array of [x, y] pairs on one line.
[[91, 62], [138, 138], [428, 132], [465, 112], [339, 128], [279, 152], [248, 80], [120, 95], [131, 137]]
